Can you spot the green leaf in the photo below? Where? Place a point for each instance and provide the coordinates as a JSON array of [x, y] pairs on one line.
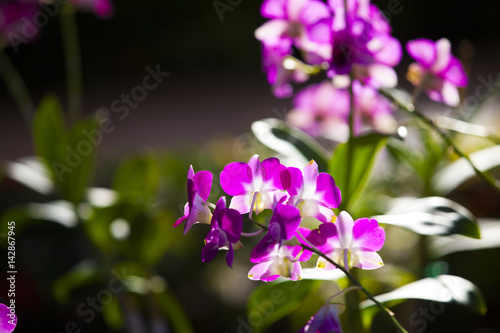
[[434, 216], [273, 301], [444, 288], [138, 178], [83, 273], [290, 142], [81, 150], [69, 154], [402, 152], [352, 163], [49, 130], [456, 173], [490, 238]]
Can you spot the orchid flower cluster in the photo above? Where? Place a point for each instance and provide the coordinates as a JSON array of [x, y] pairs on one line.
[[293, 195], [351, 41]]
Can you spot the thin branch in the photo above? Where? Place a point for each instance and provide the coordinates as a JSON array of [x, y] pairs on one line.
[[410, 108], [387, 312]]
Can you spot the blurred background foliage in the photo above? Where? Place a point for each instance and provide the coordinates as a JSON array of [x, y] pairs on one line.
[[114, 217]]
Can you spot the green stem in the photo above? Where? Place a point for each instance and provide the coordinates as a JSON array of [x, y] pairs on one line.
[[350, 148], [486, 176], [388, 313], [73, 62], [16, 86]]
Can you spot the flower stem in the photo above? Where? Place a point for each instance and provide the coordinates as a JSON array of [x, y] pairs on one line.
[[410, 108], [16, 86], [70, 38], [251, 234], [387, 312]]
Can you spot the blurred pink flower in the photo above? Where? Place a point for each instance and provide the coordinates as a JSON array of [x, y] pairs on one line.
[[436, 70], [101, 8]]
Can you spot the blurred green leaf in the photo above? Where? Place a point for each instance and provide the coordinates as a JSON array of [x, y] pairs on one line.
[[138, 177], [404, 155], [290, 142], [112, 314], [456, 173], [49, 131], [174, 311], [273, 301], [431, 216], [444, 288], [398, 95], [83, 273], [82, 148], [69, 154], [352, 163], [490, 238]]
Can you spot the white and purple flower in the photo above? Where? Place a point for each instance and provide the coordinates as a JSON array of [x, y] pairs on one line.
[[254, 185], [197, 208], [314, 194], [349, 243]]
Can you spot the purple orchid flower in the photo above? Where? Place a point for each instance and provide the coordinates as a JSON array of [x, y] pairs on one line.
[[326, 320], [254, 185], [13, 16], [197, 208], [227, 225], [362, 44], [8, 320], [102, 8], [282, 226], [349, 243], [278, 76], [436, 70], [281, 261], [314, 194], [372, 110], [288, 25], [323, 110]]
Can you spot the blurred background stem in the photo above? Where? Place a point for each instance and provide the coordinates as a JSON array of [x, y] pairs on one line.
[[16, 86], [71, 46]]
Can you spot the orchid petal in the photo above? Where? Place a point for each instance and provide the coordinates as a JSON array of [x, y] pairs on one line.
[[367, 260], [368, 235]]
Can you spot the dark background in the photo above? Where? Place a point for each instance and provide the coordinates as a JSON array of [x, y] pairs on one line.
[[215, 90]]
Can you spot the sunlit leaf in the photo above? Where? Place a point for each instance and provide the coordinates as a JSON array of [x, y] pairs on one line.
[[444, 288], [431, 216], [453, 175], [61, 212], [352, 163], [490, 238], [290, 142], [400, 96], [32, 173], [273, 301], [83, 273]]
